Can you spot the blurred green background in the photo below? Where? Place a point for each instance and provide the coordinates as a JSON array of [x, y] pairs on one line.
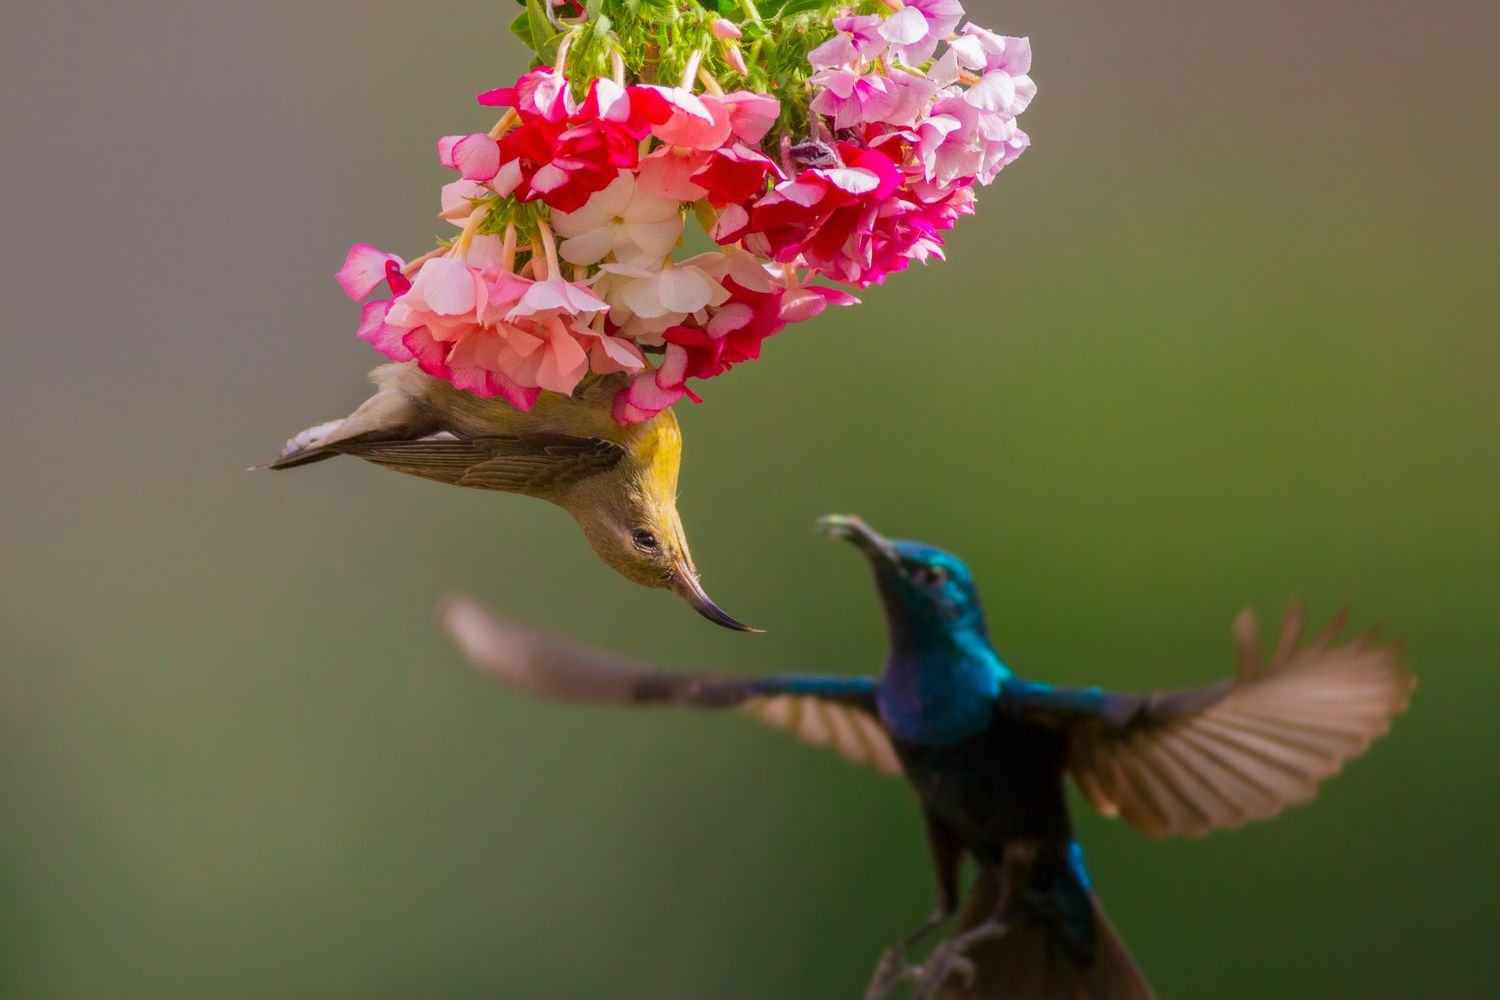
[[1226, 335]]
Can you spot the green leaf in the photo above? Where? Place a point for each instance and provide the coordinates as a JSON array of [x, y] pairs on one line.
[[539, 27], [799, 7], [521, 27]]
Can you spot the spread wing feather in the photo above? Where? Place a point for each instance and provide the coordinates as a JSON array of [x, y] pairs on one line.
[[829, 711], [1209, 758]]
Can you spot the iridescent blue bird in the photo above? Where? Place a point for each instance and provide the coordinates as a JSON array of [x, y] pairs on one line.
[[988, 754]]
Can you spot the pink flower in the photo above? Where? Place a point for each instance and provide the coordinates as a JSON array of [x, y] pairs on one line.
[[634, 109], [652, 391], [850, 98], [863, 33], [960, 140], [584, 159], [668, 173], [476, 157], [690, 127], [734, 174], [915, 30], [751, 115], [557, 295], [542, 93], [365, 267]]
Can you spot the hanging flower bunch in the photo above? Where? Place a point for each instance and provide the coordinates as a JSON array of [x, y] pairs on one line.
[[809, 139]]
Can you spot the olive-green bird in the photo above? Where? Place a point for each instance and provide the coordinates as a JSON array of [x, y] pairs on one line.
[[619, 483]]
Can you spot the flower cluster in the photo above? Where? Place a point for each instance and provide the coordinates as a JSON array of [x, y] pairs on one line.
[[848, 164]]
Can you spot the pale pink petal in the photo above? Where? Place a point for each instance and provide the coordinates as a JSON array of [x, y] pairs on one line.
[[804, 303], [485, 252], [458, 200], [477, 157], [446, 286], [751, 115], [694, 133], [730, 318], [995, 92], [445, 150], [681, 100], [904, 27], [852, 180], [508, 179], [364, 268], [557, 294], [837, 51], [673, 368], [667, 173], [732, 222], [748, 272], [564, 362]]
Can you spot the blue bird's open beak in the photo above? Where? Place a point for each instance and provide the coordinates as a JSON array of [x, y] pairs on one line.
[[853, 529]]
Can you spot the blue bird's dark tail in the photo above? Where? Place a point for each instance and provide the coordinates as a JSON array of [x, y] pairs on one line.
[[1039, 957]]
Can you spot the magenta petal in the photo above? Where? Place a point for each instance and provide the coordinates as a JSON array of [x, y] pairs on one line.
[[430, 354], [500, 97], [364, 268], [374, 331]]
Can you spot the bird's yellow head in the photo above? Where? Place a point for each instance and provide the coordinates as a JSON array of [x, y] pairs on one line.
[[630, 518]]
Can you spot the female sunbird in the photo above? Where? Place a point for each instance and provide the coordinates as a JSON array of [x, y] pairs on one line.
[[987, 753], [619, 483]]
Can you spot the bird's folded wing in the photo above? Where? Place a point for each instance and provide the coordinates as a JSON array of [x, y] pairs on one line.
[[532, 463], [836, 711], [1188, 762]]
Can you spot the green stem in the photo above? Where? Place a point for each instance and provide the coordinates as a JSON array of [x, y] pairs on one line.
[[751, 11]]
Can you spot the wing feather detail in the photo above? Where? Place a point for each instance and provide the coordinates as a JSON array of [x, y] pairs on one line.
[[851, 730], [1190, 762], [533, 463], [823, 711]]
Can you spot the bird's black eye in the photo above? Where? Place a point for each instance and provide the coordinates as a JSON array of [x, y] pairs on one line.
[[645, 541], [930, 576]]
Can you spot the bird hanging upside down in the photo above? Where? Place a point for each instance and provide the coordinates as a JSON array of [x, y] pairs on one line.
[[619, 483], [987, 754]]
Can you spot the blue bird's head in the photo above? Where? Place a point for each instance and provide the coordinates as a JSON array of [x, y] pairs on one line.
[[929, 595]]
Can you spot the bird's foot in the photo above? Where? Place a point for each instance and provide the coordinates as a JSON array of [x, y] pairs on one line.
[[890, 972], [945, 960]]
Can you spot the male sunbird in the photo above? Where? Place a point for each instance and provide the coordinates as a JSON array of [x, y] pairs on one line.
[[987, 753], [619, 483]]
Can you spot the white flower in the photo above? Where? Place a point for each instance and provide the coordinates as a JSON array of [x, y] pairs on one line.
[[638, 228], [673, 289]]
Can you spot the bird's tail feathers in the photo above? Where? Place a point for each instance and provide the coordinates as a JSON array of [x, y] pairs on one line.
[[305, 447], [392, 414], [1033, 959]]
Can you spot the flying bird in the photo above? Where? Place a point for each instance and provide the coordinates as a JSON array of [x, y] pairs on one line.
[[619, 483], [988, 752]]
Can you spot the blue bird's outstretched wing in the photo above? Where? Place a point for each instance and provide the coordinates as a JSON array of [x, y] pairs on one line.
[[1188, 762], [836, 711]]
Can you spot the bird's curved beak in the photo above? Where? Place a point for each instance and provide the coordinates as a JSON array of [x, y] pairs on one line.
[[853, 529], [686, 585]]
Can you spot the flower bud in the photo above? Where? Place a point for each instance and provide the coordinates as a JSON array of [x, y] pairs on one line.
[[725, 28], [736, 59]]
